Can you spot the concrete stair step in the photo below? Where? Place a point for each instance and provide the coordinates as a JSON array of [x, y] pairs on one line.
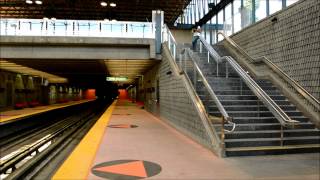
[[251, 108], [248, 120], [272, 150], [235, 92], [242, 102], [263, 126], [255, 142], [256, 113], [272, 133], [247, 97], [216, 87]]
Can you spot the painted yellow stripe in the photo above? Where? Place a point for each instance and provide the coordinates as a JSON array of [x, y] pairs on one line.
[[78, 164], [34, 111]]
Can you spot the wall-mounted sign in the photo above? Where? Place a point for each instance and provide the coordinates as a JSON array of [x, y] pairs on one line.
[[116, 78]]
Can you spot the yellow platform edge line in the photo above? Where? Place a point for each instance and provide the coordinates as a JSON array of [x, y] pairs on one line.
[[53, 107], [78, 164]]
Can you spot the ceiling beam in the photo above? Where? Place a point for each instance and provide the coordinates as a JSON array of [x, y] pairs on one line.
[[222, 4]]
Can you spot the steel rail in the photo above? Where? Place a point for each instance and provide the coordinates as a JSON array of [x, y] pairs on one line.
[[30, 149]]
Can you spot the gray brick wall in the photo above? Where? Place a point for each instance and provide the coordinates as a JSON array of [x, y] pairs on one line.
[[175, 105], [293, 42]]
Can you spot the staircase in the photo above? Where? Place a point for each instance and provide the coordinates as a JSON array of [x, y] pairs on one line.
[[257, 131]]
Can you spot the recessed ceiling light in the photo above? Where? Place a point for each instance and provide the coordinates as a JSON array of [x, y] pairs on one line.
[[38, 2], [113, 4], [103, 3], [29, 2]]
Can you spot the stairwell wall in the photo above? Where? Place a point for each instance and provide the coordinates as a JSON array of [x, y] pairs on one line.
[[290, 39], [175, 106]]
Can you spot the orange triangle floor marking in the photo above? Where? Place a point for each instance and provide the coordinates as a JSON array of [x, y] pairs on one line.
[[135, 168]]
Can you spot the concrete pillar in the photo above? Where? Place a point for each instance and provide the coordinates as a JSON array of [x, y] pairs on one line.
[[158, 19]]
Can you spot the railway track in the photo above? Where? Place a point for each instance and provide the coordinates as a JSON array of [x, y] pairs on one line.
[[25, 155]]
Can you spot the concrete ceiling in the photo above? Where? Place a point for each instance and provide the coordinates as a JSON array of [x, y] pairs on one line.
[[89, 72], [13, 67], [125, 10], [129, 68]]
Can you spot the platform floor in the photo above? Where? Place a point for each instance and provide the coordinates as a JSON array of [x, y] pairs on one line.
[[21, 113], [142, 146]]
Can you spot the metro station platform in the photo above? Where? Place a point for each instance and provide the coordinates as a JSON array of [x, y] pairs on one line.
[[127, 142], [13, 115]]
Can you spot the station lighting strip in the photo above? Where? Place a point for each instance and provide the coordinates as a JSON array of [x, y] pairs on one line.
[[31, 2], [13, 67], [104, 4]]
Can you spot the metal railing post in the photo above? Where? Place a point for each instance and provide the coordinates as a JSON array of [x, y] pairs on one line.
[[194, 77], [222, 133], [180, 61], [227, 72], [174, 51], [281, 135], [217, 69]]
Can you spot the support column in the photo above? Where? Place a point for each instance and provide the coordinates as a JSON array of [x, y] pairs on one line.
[[157, 19]]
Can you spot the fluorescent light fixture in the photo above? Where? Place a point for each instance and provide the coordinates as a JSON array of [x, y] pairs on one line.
[[38, 2], [113, 4], [29, 2], [104, 4], [110, 78]]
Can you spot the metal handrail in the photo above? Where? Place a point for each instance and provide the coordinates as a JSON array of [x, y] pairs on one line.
[[210, 50], [282, 117], [237, 46], [212, 94], [196, 101], [303, 92], [170, 39]]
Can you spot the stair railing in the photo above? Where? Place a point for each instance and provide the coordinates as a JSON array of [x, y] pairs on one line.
[[198, 74], [204, 116], [281, 116], [296, 86], [167, 36]]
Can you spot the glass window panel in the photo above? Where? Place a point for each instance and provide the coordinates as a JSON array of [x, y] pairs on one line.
[[275, 5], [261, 9], [237, 15], [202, 8], [289, 2], [220, 24], [205, 5], [213, 29], [228, 20], [246, 13]]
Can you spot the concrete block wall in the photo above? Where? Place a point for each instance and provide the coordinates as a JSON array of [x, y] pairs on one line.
[[292, 42], [6, 89], [8, 95], [175, 105]]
